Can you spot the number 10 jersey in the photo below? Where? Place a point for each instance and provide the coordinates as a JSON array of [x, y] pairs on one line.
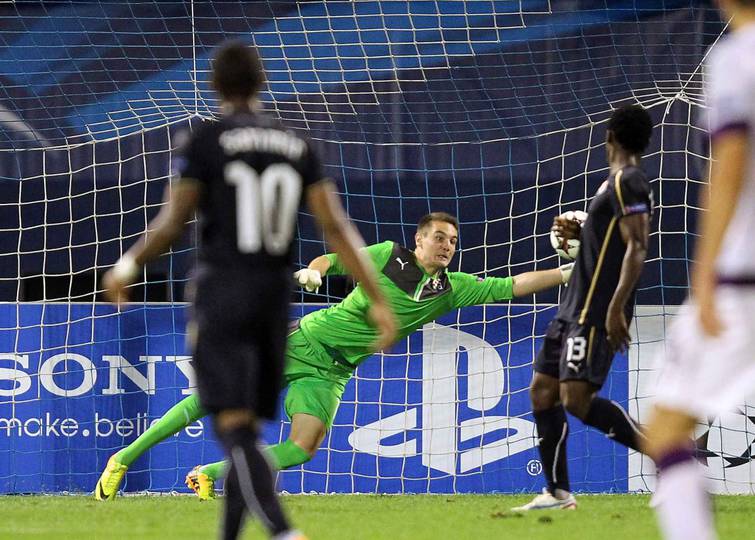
[[253, 173]]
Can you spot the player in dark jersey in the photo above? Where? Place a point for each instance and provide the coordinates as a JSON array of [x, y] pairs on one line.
[[245, 175], [592, 320]]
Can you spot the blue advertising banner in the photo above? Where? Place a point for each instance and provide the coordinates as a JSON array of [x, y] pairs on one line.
[[445, 411]]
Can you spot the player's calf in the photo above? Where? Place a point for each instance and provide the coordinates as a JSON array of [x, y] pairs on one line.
[[608, 416], [249, 485], [611, 418], [667, 431]]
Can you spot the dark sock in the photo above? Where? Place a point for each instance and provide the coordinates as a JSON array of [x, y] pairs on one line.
[[610, 418], [235, 508], [250, 485], [553, 430], [674, 457]]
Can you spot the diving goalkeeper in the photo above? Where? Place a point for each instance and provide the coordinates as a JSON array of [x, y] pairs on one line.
[[327, 345]]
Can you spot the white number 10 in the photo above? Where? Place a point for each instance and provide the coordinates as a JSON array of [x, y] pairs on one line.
[[266, 205]]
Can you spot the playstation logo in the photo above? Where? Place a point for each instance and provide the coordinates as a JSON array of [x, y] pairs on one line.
[[443, 434]]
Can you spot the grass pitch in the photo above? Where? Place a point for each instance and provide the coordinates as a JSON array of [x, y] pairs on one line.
[[355, 517]]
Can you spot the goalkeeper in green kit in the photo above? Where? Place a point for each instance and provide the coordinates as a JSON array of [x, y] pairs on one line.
[[326, 346]]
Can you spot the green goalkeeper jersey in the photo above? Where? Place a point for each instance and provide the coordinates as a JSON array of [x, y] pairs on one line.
[[414, 296]]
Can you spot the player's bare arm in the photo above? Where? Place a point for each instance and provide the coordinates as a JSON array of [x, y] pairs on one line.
[[532, 282], [346, 241], [727, 176], [635, 230], [181, 201], [321, 264]]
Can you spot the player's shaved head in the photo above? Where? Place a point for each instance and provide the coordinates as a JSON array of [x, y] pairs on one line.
[[436, 216], [237, 71], [631, 127]]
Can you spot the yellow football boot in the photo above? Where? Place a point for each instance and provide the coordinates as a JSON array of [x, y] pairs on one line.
[[201, 484], [110, 480]]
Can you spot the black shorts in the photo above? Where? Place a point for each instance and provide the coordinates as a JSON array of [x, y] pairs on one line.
[[573, 352], [241, 324]]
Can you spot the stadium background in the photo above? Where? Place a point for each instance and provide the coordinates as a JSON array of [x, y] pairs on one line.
[[491, 110]]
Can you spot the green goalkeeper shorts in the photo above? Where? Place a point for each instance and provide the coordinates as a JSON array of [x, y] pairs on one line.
[[315, 382]]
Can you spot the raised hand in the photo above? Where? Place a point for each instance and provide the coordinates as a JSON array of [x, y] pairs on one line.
[[567, 229], [309, 279]]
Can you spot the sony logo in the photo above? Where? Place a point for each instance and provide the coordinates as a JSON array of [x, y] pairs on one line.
[[54, 374]]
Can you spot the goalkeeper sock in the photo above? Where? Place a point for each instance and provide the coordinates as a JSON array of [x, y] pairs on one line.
[[553, 430], [249, 486], [281, 456], [178, 417], [684, 506], [610, 418], [287, 454], [215, 470]]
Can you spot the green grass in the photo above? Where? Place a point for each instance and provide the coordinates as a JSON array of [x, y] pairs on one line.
[[353, 517]]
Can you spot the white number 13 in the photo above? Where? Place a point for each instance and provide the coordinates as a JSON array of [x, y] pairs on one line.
[[266, 205], [575, 349]]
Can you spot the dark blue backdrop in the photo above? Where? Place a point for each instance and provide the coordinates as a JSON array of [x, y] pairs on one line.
[[469, 121], [65, 406]]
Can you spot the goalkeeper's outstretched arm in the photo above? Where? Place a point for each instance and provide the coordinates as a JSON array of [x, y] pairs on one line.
[[532, 282]]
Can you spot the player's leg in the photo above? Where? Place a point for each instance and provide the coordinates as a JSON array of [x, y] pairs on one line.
[[182, 414], [552, 431], [682, 501], [174, 420], [307, 434], [580, 400], [585, 363], [701, 376], [311, 403], [249, 486], [239, 357], [552, 425]]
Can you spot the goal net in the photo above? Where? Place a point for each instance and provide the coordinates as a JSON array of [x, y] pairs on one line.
[[493, 111]]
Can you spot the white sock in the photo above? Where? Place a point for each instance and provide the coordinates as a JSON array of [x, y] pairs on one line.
[[684, 507]]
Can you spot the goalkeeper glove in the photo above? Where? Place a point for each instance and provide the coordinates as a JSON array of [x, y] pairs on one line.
[[566, 272], [309, 279]]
